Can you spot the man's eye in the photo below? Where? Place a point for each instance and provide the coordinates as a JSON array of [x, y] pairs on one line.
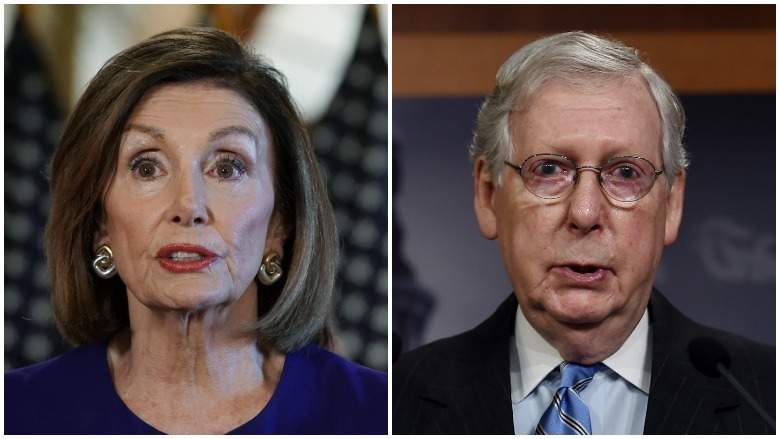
[[549, 169], [625, 172]]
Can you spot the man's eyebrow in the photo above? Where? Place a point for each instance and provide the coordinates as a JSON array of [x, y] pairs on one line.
[[233, 129], [157, 133]]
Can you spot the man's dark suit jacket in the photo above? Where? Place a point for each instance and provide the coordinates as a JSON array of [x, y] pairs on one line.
[[460, 385]]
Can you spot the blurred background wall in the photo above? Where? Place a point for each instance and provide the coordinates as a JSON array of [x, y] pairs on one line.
[[335, 60], [720, 59]]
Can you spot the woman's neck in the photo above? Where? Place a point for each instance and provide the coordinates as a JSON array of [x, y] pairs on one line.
[[176, 369]]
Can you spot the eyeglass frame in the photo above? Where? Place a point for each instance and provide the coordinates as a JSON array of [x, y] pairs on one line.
[[597, 169]]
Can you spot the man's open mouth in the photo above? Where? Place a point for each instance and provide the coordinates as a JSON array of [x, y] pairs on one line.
[[585, 274], [583, 269]]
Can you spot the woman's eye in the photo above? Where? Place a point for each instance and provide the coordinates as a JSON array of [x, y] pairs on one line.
[[146, 168], [225, 170], [229, 167]]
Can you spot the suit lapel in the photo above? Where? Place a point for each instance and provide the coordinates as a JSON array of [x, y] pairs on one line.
[[479, 402], [681, 399], [681, 402]]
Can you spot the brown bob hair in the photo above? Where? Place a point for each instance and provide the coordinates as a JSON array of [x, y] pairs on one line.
[[292, 312]]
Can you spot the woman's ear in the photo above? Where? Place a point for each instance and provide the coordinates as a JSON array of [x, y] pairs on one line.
[[278, 231], [101, 236]]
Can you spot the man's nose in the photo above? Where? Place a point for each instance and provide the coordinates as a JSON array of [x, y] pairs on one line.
[[586, 203], [188, 206]]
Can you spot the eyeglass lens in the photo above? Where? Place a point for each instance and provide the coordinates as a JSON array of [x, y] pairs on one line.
[[623, 178]]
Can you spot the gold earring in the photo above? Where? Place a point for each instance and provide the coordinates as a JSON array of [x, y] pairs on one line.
[[270, 269], [103, 264]]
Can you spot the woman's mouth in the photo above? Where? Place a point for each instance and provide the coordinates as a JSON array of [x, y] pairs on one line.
[[185, 258]]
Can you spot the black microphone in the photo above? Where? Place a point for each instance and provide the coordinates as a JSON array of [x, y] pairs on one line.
[[711, 359]]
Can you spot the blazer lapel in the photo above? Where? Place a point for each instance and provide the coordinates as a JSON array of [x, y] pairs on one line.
[[479, 402], [480, 406], [681, 400]]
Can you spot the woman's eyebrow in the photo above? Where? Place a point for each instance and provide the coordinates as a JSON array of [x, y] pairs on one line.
[[156, 133], [233, 129]]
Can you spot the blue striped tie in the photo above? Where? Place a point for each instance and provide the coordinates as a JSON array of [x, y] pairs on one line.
[[567, 413]]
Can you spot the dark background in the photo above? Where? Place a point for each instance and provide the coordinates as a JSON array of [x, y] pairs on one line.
[[350, 140], [720, 271], [720, 59]]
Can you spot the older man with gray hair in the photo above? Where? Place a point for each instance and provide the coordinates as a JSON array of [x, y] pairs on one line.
[[579, 175]]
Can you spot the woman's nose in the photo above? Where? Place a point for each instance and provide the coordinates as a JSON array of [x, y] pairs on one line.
[[189, 207]]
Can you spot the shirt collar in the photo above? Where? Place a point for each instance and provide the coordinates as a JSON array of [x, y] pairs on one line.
[[534, 358]]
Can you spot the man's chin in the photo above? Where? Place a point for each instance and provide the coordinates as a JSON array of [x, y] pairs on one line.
[[580, 335], [579, 318]]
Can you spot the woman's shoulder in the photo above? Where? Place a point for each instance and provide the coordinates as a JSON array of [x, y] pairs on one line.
[[338, 371], [37, 394], [63, 370], [348, 397]]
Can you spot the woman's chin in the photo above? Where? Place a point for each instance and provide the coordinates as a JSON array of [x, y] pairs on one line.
[[189, 300]]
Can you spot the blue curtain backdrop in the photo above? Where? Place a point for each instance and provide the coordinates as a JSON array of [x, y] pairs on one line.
[[721, 270]]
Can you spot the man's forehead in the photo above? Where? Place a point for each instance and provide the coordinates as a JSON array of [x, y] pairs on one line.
[[619, 113], [604, 91]]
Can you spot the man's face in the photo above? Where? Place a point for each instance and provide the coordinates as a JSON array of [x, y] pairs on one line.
[[582, 266]]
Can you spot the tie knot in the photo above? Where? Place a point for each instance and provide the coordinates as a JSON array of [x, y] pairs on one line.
[[577, 376]]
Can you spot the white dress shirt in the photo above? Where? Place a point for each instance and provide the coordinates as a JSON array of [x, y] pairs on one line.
[[616, 398]]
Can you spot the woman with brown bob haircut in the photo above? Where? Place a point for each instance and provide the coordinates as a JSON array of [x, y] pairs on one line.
[[192, 250]]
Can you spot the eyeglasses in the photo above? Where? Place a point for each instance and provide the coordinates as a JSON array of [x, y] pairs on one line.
[[625, 179]]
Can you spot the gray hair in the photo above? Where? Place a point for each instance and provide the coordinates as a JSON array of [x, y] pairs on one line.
[[571, 56]]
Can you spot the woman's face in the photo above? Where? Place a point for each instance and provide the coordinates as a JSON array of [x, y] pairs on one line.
[[190, 211]]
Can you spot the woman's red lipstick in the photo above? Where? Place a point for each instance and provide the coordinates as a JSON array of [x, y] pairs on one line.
[[185, 258]]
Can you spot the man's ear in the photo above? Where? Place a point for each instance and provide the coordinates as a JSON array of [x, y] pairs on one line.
[[484, 190], [278, 231], [674, 208]]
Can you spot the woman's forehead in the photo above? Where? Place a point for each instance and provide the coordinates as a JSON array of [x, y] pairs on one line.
[[197, 109], [200, 101]]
